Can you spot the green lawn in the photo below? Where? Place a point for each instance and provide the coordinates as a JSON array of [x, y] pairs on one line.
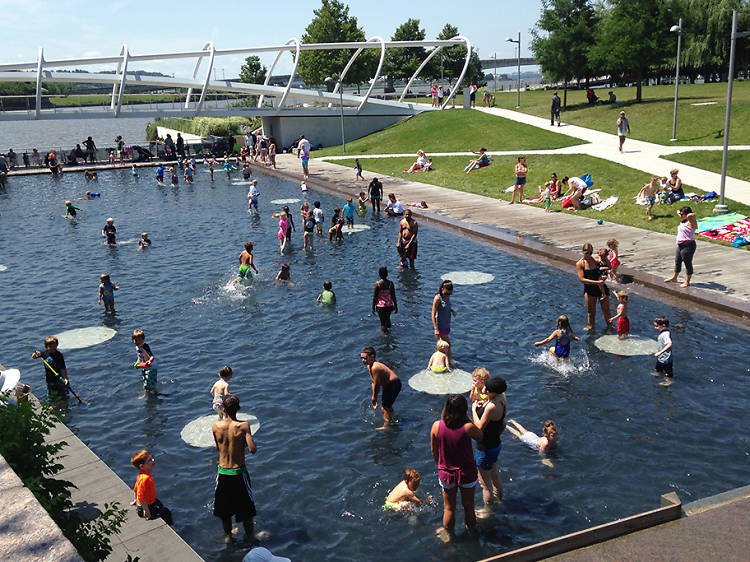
[[104, 99], [738, 161], [651, 120], [613, 179], [452, 131]]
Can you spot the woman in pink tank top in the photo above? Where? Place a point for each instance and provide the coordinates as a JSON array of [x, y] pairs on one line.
[[450, 442], [384, 299]]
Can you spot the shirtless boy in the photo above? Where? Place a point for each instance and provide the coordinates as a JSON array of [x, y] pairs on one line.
[[234, 494], [381, 377], [246, 262], [407, 239]]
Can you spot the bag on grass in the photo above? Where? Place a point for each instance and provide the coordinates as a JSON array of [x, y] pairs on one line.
[[740, 241], [587, 179]]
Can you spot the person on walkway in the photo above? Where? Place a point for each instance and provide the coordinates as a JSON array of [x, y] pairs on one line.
[[303, 152], [375, 193], [450, 443], [623, 128], [554, 110], [90, 149], [120, 148], [442, 311], [440, 96], [685, 246], [234, 493], [433, 94], [490, 418], [384, 300], [407, 239], [180, 146], [594, 289], [521, 170], [473, 95]]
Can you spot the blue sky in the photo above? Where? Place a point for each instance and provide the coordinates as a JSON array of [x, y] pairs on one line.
[[68, 29]]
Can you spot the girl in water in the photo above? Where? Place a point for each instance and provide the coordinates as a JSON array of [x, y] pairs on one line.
[[441, 313], [562, 336], [384, 300], [283, 227], [439, 360]]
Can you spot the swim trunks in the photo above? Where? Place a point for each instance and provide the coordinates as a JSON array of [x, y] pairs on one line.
[[390, 392], [149, 379], [438, 368], [521, 181], [234, 494], [623, 325], [392, 506], [244, 272], [486, 458]]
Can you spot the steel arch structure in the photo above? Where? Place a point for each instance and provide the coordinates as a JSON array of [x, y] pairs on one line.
[[39, 71]]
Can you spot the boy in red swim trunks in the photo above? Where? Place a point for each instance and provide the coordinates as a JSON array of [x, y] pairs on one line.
[[623, 323]]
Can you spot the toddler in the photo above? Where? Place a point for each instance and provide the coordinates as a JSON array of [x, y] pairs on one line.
[[148, 506], [562, 336], [547, 441], [284, 273], [319, 218], [146, 361], [107, 292], [439, 360], [664, 355], [623, 323], [480, 376], [327, 296], [220, 389], [70, 209], [362, 204], [613, 256], [405, 491], [144, 242]]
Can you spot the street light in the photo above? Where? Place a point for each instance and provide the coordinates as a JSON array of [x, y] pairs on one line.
[[721, 207], [328, 81], [676, 28], [509, 40], [494, 74]]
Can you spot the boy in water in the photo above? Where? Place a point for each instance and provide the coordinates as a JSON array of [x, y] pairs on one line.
[[349, 213], [664, 355], [54, 363], [246, 263], [107, 292], [148, 506], [144, 242], [404, 492], [252, 196], [110, 232], [146, 361], [70, 209], [381, 377], [318, 215], [160, 173], [623, 323], [220, 389], [327, 296]]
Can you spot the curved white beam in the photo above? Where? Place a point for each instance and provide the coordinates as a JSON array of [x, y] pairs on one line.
[[211, 57], [377, 72], [275, 61], [113, 102], [463, 70], [39, 67], [211, 51], [434, 52], [291, 76], [121, 93]]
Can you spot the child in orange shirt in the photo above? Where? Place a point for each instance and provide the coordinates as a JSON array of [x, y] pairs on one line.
[[148, 506]]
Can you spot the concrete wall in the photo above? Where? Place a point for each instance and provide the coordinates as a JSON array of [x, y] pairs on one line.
[[325, 130]]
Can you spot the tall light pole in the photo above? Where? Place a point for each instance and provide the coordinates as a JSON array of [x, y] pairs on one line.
[[678, 29], [509, 40], [722, 207]]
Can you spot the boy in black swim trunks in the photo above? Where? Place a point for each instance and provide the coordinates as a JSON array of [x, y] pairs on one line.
[[110, 232], [381, 377]]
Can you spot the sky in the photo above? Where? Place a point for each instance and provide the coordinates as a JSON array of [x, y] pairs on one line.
[[74, 29]]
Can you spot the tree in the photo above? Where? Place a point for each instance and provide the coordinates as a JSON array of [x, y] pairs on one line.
[[561, 40], [450, 61], [333, 24], [402, 63], [630, 39], [252, 72]]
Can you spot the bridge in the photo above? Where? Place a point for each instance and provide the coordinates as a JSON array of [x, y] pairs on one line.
[[504, 63]]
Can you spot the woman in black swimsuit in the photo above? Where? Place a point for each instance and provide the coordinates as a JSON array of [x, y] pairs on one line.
[[594, 288]]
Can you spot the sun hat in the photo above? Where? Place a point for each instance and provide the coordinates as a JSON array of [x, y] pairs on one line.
[[261, 554], [496, 385]]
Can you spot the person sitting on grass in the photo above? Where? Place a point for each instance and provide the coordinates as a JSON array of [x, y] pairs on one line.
[[419, 164], [572, 197], [480, 162]]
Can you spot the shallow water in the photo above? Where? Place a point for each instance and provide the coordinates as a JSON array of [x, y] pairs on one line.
[[321, 472]]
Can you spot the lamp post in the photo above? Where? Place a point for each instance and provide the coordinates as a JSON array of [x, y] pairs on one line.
[[676, 28], [722, 207], [518, 41], [338, 83], [494, 74]]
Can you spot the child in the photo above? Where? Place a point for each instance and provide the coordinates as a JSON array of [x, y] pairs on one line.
[[90, 175], [246, 172], [228, 167], [309, 230], [349, 213], [319, 218], [211, 166], [649, 192], [362, 204], [521, 170], [148, 506], [480, 376], [70, 210], [246, 263], [173, 176], [146, 361], [664, 355], [252, 196], [358, 166], [57, 384], [547, 441], [327, 296], [144, 242], [107, 293], [335, 230], [160, 173], [283, 226], [110, 232], [562, 336], [439, 360], [188, 172], [623, 323], [303, 187], [220, 389], [613, 257], [111, 157], [284, 273], [133, 171], [404, 492]]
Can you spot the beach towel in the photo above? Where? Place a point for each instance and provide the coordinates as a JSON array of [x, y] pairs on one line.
[[729, 232], [710, 223], [607, 203]]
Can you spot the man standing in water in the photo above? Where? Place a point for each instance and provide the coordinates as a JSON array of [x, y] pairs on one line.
[[234, 494], [407, 239], [381, 377]]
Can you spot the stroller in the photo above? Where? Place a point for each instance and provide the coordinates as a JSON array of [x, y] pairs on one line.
[[140, 154]]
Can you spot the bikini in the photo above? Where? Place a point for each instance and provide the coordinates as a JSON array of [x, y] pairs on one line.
[[562, 349]]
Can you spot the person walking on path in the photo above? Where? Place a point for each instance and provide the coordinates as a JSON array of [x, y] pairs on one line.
[[623, 128], [594, 288], [450, 443], [554, 110], [685, 246], [521, 170], [234, 493]]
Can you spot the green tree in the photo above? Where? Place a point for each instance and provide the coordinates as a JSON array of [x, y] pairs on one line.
[[449, 63], [400, 64], [562, 39], [252, 72], [333, 24], [630, 39]]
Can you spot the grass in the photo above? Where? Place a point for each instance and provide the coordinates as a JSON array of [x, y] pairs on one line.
[[651, 120], [99, 99], [452, 131], [738, 161], [613, 179]]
